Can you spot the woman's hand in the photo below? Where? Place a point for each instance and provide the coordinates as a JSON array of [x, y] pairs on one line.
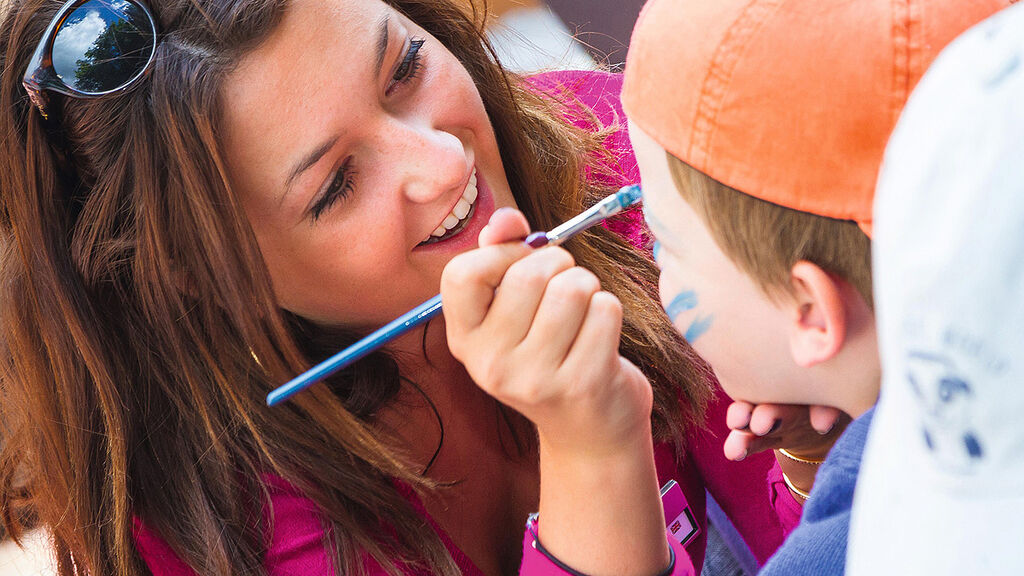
[[806, 433], [809, 431], [537, 332]]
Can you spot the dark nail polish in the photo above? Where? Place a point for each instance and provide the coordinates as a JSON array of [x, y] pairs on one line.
[[537, 239], [775, 426]]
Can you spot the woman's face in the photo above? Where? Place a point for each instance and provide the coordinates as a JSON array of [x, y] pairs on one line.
[[356, 142]]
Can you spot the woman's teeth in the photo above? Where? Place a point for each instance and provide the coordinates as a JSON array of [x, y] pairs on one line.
[[458, 214]]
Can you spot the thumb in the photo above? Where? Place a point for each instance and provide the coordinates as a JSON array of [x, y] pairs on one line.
[[506, 225]]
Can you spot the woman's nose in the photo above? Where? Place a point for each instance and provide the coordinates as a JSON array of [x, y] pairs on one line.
[[431, 162]]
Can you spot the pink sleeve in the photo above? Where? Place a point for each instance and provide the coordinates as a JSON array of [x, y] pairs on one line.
[[589, 95], [537, 564], [751, 492], [158, 556], [297, 545]]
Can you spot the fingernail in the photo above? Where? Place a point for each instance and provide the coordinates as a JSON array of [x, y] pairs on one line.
[[743, 456], [775, 426], [825, 433], [503, 210]]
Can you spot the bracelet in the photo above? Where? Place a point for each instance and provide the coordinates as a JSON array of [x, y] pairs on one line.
[[531, 522], [797, 491], [792, 456]]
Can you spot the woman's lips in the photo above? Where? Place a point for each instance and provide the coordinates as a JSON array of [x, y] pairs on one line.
[[459, 215], [463, 236]]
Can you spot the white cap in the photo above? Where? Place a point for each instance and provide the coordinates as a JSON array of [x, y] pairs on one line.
[[941, 488]]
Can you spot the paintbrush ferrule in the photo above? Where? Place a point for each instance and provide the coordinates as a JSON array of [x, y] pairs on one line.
[[626, 197]]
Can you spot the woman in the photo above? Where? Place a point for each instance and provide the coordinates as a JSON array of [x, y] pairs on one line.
[[279, 181]]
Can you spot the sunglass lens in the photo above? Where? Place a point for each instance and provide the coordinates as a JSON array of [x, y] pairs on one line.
[[102, 45]]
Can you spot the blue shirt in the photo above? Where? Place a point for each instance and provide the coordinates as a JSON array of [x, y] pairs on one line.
[[818, 545]]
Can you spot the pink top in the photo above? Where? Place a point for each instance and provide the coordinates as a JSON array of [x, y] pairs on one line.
[[751, 492]]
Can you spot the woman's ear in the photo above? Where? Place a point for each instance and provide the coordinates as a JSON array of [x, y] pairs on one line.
[[818, 329]]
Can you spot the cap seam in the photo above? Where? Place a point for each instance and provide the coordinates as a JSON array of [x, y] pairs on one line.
[[901, 56], [719, 75]]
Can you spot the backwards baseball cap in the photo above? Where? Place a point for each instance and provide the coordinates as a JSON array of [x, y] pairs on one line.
[[941, 486], [788, 101]]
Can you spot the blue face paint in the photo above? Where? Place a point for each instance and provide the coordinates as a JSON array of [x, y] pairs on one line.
[[698, 328], [657, 250], [681, 303]]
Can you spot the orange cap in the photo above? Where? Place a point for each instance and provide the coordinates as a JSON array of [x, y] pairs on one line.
[[788, 101]]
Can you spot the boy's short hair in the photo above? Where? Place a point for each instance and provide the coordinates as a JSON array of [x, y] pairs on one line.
[[765, 240]]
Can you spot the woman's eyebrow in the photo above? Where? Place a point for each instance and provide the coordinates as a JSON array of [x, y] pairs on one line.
[[318, 152], [382, 42], [308, 160]]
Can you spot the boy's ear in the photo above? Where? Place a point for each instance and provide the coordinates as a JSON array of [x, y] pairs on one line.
[[818, 330]]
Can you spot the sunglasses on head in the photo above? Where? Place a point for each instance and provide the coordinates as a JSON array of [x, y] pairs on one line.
[[90, 49]]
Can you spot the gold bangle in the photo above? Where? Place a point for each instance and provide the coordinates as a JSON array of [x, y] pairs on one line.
[[797, 491], [792, 456]]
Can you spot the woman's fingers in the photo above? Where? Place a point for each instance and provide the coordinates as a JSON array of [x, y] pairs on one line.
[[738, 444], [469, 281], [737, 417], [560, 315], [595, 351], [824, 418], [506, 225], [808, 430], [768, 418], [515, 306]]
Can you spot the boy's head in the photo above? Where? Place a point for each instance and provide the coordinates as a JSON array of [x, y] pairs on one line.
[[759, 128]]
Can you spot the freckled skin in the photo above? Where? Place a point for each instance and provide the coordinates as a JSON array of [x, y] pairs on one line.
[[412, 143]]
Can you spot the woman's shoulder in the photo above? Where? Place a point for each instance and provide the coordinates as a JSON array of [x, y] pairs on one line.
[[591, 99], [295, 541], [598, 91]]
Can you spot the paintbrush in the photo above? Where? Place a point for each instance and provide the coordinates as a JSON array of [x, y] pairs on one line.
[[610, 206]]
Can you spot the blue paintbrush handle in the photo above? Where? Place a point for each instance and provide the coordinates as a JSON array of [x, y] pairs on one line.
[[627, 196], [348, 356]]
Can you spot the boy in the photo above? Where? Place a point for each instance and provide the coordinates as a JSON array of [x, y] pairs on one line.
[[759, 128]]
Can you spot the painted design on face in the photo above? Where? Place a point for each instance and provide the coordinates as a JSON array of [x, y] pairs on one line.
[[698, 328], [657, 251], [686, 300]]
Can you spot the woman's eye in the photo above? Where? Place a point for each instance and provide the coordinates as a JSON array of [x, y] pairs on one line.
[[339, 188], [410, 64]]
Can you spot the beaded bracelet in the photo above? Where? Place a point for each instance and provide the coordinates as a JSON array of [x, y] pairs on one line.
[[531, 524]]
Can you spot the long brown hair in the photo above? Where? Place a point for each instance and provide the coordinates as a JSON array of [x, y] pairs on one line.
[[140, 334]]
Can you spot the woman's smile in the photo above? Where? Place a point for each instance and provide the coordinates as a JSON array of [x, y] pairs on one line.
[[456, 219], [462, 225]]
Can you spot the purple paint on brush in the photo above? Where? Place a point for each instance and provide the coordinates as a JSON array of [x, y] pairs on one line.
[[537, 239]]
